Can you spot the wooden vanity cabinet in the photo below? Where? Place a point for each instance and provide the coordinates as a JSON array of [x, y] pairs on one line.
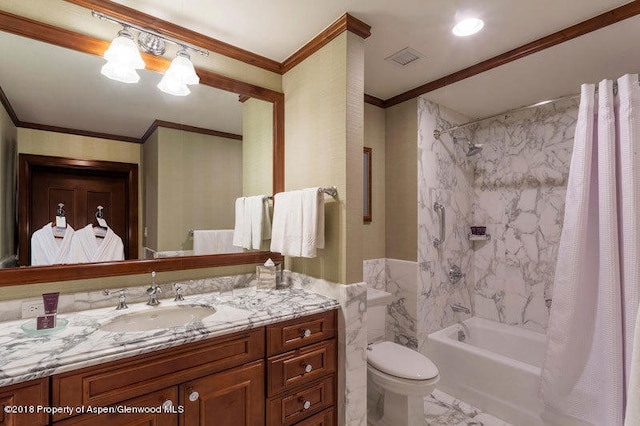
[[301, 371], [20, 399], [112, 383]]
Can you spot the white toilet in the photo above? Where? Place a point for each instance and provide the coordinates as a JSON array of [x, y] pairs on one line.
[[403, 375]]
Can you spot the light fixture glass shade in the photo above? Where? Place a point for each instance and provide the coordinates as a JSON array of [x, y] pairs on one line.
[[180, 73], [123, 58]]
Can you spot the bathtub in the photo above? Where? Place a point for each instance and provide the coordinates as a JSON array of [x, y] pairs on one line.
[[496, 368]]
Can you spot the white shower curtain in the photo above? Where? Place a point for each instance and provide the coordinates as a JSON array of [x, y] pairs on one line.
[[597, 283]]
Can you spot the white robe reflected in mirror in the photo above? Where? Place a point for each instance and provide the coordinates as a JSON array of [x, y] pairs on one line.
[[87, 247], [46, 249]]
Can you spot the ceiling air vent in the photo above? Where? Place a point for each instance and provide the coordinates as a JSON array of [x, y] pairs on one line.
[[404, 57]]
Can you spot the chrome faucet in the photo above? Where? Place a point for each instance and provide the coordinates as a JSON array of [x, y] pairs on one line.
[[179, 292], [153, 291], [459, 308], [122, 298]]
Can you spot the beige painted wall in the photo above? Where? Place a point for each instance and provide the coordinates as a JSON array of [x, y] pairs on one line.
[[199, 179], [401, 186], [78, 19], [42, 142], [257, 147], [8, 181], [373, 236], [324, 134]]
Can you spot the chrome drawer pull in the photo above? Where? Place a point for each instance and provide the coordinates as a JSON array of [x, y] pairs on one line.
[[306, 405], [308, 368], [167, 406], [306, 333], [193, 396]]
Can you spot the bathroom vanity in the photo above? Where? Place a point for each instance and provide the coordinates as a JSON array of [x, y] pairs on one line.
[[277, 371]]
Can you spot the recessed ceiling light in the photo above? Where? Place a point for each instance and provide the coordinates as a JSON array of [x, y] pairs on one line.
[[468, 26]]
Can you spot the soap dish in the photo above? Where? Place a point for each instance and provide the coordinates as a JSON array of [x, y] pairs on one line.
[[30, 329]]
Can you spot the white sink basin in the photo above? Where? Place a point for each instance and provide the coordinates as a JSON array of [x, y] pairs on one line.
[[158, 318]]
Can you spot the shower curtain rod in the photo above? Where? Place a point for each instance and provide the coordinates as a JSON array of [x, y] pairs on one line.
[[437, 133]]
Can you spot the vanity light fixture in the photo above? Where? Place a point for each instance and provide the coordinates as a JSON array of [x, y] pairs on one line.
[[179, 74], [467, 27], [123, 57]]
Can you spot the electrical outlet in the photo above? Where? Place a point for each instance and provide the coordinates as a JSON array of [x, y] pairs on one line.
[[32, 308]]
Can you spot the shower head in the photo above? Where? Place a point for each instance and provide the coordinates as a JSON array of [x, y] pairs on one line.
[[472, 149]]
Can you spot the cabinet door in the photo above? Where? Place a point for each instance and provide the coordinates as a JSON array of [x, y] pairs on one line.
[[155, 409], [233, 397], [18, 401]]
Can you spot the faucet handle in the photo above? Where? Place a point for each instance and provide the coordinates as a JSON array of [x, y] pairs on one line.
[[179, 291], [122, 298]]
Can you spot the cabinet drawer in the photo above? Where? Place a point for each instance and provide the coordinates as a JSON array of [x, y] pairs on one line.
[[24, 396], [289, 409], [109, 383], [324, 418], [160, 409], [299, 332], [301, 366]]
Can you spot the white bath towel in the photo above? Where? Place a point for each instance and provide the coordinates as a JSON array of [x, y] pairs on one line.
[[48, 250], [238, 230], [632, 415], [214, 241], [286, 232], [298, 223], [312, 221]]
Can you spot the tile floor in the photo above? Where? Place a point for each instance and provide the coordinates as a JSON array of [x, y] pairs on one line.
[[443, 409]]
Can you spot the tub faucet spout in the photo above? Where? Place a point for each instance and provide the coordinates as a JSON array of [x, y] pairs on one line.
[[459, 308]]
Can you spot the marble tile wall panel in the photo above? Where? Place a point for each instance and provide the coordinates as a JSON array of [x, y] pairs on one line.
[[519, 194], [374, 273], [445, 175], [12, 309], [352, 358], [401, 323]]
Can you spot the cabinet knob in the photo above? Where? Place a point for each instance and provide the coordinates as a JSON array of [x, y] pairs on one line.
[[306, 333], [308, 368], [167, 406], [306, 405], [193, 395]]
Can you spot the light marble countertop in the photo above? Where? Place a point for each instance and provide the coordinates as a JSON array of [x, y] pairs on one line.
[[82, 343]]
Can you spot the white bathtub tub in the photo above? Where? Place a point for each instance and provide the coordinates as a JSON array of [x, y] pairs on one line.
[[496, 369]]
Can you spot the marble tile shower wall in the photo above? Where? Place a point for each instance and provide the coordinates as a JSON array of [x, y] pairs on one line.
[[445, 175], [519, 194], [398, 277]]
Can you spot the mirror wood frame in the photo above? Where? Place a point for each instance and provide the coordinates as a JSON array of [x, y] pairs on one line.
[[40, 274]]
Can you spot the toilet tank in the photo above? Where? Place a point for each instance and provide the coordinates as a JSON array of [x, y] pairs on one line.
[[377, 301]]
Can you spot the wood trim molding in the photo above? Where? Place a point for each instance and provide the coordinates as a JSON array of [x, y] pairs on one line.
[[192, 129], [172, 30], [7, 106], [78, 132], [603, 20], [374, 101], [345, 23], [243, 99]]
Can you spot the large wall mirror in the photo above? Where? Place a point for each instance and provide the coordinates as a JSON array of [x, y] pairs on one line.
[[194, 155]]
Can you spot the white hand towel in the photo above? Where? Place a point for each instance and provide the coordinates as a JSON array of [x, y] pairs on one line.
[[238, 231], [312, 221], [259, 217], [286, 233], [632, 415]]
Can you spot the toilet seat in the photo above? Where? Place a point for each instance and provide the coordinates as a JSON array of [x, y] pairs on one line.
[[401, 362]]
